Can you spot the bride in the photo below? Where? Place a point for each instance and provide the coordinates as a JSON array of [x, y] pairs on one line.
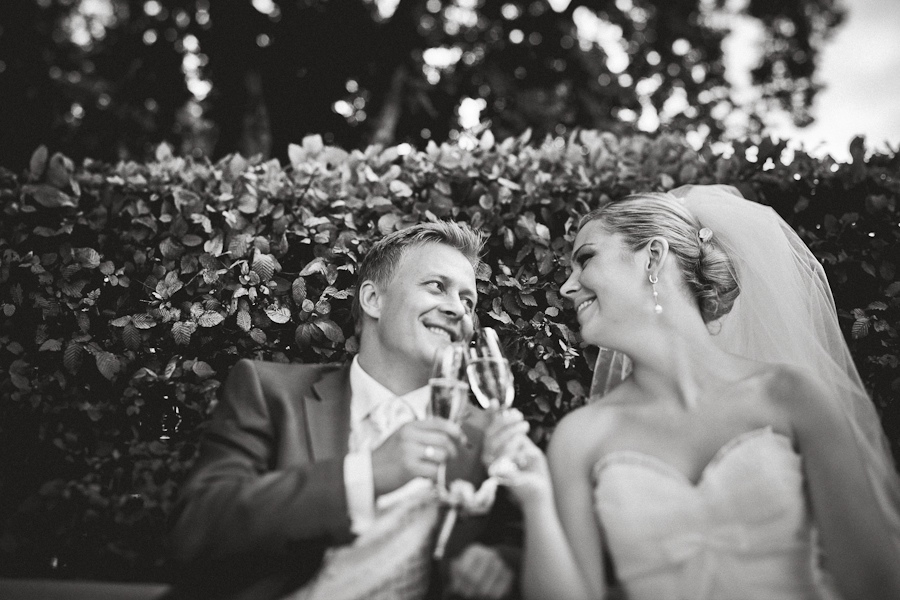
[[740, 457]]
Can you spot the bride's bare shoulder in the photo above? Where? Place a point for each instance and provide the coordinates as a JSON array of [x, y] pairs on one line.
[[794, 392], [581, 432]]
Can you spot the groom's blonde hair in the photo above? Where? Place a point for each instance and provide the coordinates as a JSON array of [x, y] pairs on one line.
[[382, 260]]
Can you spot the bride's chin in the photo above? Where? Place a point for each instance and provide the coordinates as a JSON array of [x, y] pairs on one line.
[[591, 338]]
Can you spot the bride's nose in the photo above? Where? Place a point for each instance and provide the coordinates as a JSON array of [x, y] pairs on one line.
[[571, 286]]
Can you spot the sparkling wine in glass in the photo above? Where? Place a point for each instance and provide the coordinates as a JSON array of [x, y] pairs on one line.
[[449, 392], [489, 372], [448, 398], [449, 389], [492, 382]]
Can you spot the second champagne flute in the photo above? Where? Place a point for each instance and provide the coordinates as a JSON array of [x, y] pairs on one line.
[[489, 372]]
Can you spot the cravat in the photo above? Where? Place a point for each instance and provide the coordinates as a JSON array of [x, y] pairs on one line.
[[385, 418]]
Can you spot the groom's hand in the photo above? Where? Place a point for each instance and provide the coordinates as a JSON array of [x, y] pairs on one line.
[[479, 573], [415, 450]]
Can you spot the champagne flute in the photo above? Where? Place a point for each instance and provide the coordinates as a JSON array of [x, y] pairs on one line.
[[449, 391], [489, 372], [490, 375], [449, 396]]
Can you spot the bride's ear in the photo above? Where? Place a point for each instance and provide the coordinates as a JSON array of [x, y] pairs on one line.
[[370, 299], [657, 251]]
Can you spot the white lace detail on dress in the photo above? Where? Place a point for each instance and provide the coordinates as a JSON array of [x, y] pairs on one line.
[[742, 531]]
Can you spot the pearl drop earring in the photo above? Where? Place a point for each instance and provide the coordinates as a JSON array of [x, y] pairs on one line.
[[653, 281]]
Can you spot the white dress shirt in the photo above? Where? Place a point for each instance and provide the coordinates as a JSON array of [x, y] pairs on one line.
[[366, 434], [390, 558]]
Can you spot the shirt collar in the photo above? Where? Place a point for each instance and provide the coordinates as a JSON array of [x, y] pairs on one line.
[[366, 393]]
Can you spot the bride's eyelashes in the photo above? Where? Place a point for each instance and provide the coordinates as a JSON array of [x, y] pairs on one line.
[[582, 256]]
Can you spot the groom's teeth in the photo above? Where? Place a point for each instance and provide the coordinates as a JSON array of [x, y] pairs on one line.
[[440, 331]]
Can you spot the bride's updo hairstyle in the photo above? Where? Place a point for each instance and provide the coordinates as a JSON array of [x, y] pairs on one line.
[[706, 267]]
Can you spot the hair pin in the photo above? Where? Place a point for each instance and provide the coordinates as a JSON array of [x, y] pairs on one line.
[[705, 234]]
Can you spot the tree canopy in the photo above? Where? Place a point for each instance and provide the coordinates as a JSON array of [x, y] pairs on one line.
[[109, 79]]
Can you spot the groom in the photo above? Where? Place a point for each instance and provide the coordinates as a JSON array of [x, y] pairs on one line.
[[312, 481]]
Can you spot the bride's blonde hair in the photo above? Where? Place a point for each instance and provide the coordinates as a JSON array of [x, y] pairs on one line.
[[706, 268]]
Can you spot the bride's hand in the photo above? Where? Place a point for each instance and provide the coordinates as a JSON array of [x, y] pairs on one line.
[[514, 460], [523, 470], [504, 428]]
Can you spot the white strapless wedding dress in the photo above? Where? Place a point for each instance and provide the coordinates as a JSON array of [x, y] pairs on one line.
[[743, 531]]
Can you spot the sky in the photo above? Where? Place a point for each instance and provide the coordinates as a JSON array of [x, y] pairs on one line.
[[860, 68]]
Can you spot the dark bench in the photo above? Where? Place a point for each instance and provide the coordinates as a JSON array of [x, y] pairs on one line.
[[53, 589]]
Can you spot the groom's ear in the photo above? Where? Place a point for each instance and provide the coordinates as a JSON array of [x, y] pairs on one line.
[[370, 299], [657, 252]]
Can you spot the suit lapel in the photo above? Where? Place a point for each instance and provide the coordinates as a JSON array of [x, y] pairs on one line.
[[328, 415]]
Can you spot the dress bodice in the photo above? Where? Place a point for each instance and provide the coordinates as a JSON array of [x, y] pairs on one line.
[[742, 531]]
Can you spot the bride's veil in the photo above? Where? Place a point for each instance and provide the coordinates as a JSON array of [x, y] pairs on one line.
[[784, 314]]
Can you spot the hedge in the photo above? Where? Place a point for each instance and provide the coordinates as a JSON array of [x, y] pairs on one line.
[[129, 290]]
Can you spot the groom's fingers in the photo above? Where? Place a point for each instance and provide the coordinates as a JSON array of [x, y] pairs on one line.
[[414, 450], [439, 440]]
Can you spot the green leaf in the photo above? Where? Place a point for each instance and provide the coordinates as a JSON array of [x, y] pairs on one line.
[[316, 265], [243, 320], [108, 364], [131, 336], [49, 196], [239, 245], [313, 144], [304, 334], [264, 265], [73, 357], [191, 240], [210, 318], [258, 335], [298, 290], [248, 204], [182, 330], [121, 321], [528, 300], [202, 369], [51, 345], [170, 248], [214, 246], [143, 321], [387, 223], [400, 189], [331, 330], [235, 167], [163, 152], [278, 314], [38, 163], [59, 171]]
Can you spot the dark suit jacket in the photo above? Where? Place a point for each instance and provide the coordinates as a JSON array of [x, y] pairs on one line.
[[266, 496]]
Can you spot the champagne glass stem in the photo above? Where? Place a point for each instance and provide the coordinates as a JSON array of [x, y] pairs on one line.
[[442, 478], [449, 521]]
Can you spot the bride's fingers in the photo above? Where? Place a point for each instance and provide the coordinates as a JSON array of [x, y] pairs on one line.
[[503, 441], [502, 419]]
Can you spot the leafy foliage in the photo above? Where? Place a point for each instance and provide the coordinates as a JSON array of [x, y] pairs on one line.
[[129, 290]]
